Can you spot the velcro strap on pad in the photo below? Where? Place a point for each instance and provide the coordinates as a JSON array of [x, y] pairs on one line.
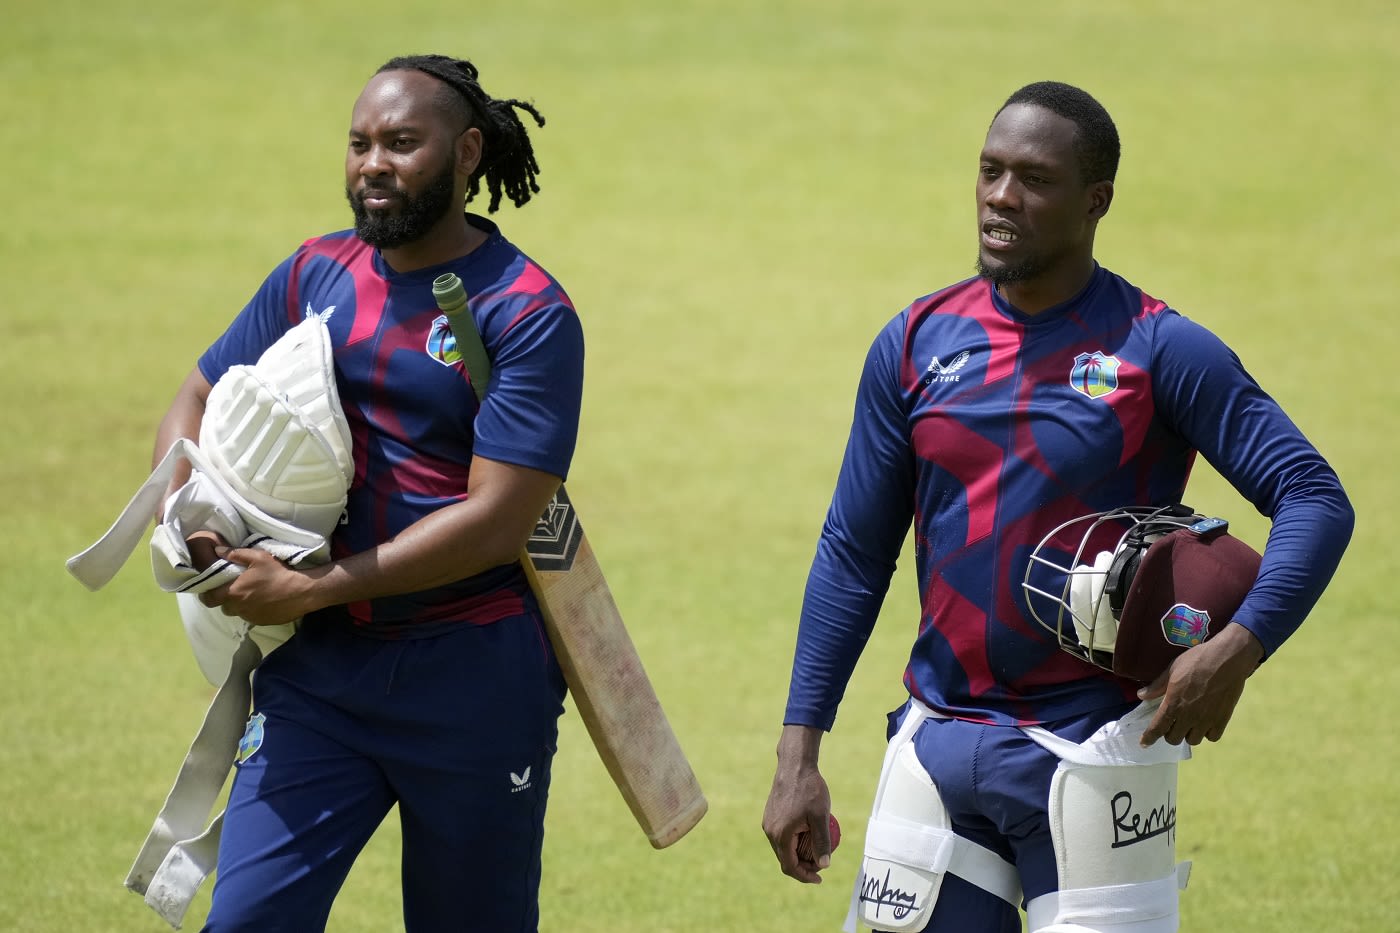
[[942, 850], [1110, 904]]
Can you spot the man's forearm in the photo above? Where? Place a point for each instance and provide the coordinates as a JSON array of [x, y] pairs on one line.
[[487, 529], [448, 545]]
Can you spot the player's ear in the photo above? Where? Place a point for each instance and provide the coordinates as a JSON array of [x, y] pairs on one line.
[[469, 150], [1100, 198]]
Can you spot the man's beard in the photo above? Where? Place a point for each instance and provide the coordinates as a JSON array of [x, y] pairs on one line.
[[387, 229], [1023, 271]]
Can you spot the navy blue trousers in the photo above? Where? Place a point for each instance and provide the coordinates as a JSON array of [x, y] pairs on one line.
[[458, 729]]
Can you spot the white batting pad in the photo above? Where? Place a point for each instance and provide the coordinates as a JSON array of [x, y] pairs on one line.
[[270, 453], [274, 476], [302, 369]]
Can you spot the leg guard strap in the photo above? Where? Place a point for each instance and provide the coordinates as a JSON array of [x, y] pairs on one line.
[[1145, 907], [181, 851]]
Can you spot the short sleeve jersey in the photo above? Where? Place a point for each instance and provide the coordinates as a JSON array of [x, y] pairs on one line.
[[414, 418], [988, 428]]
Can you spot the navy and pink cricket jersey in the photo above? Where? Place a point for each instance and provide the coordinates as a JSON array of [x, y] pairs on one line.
[[413, 414], [987, 428]]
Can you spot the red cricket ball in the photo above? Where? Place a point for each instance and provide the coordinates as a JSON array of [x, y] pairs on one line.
[[805, 845]]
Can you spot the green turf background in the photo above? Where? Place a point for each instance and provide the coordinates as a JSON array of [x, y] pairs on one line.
[[737, 195]]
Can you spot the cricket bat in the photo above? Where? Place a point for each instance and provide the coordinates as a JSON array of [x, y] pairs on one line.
[[609, 685]]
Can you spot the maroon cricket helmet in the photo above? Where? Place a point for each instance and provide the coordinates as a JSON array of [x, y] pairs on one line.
[[1175, 579]]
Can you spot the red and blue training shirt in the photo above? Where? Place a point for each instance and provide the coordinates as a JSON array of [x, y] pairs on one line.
[[414, 419], [988, 428]]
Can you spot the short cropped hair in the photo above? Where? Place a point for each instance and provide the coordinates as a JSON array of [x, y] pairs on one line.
[[1096, 140]]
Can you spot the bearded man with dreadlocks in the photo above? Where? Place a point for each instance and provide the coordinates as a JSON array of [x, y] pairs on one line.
[[420, 674]]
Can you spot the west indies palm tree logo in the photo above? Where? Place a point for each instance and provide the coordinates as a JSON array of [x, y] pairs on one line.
[[1094, 374], [442, 345], [1184, 626]]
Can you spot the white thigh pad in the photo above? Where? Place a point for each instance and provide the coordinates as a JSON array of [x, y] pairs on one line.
[[1112, 813], [906, 846], [910, 845], [1114, 825]]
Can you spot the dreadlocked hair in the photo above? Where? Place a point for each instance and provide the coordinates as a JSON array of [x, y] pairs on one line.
[[508, 160]]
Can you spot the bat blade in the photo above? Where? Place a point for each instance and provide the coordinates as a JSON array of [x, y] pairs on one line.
[[610, 687]]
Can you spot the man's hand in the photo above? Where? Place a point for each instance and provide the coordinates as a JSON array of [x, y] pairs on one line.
[[1201, 687], [798, 807], [267, 592]]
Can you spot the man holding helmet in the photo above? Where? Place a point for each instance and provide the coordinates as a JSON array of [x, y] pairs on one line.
[[1045, 391]]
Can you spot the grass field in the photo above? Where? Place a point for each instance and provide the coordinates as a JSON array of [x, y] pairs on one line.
[[737, 195]]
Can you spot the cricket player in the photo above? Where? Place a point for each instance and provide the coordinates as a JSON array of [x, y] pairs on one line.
[[420, 675], [1044, 389]]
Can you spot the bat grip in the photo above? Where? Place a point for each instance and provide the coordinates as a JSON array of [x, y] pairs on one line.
[[451, 298]]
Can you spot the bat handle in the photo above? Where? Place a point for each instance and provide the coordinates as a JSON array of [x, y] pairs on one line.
[[450, 294], [451, 297]]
